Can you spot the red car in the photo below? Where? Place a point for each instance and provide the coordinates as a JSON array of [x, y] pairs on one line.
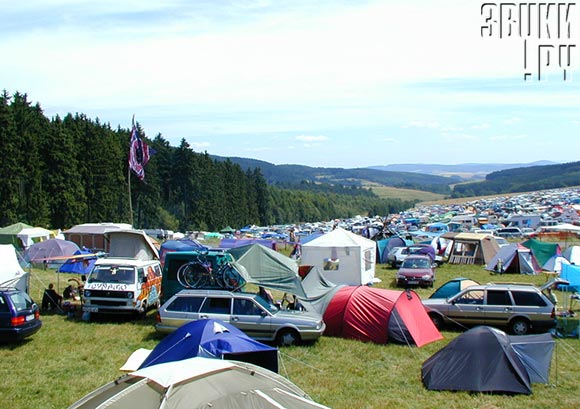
[[416, 270]]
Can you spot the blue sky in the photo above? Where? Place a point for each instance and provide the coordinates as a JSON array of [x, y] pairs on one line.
[[336, 83]]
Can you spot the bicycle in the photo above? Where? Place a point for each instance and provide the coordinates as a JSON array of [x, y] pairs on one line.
[[201, 274]]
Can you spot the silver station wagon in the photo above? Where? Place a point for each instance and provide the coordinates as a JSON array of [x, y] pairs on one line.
[[520, 308], [247, 311]]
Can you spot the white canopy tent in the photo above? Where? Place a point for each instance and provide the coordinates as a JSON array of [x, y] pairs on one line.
[[343, 257], [29, 236]]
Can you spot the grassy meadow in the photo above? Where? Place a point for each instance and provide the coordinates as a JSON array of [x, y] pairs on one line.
[[69, 358]]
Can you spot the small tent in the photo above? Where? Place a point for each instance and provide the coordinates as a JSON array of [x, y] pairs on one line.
[[485, 359], [11, 273], [385, 245], [514, 258], [81, 263], [344, 257], [572, 254], [31, 235], [212, 339], [9, 234]]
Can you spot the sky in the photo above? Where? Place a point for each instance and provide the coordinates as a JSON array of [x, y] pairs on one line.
[[328, 83]]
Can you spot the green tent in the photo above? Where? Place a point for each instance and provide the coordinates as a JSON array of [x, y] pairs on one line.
[[267, 268], [541, 250], [9, 234]]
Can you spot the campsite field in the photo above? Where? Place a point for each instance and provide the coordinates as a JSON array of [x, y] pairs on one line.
[[69, 358]]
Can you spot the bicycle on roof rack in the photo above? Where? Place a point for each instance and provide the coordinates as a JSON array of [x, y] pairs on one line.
[[200, 273]]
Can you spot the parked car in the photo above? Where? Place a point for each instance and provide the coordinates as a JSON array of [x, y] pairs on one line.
[[509, 233], [416, 270], [397, 255], [247, 311], [520, 308], [19, 315]]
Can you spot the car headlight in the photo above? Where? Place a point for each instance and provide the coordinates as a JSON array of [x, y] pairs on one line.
[[426, 277]]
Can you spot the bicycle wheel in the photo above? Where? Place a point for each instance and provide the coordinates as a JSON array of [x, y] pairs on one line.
[[228, 277], [193, 275]]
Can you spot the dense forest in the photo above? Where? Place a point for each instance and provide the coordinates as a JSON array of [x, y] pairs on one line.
[[60, 172], [522, 180]]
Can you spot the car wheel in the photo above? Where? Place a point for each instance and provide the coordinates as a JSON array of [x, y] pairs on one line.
[[437, 320], [394, 264], [287, 337], [520, 326]]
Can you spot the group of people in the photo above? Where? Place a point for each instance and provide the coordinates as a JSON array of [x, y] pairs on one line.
[[53, 300]]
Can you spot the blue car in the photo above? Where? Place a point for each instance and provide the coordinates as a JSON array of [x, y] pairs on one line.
[[19, 315]]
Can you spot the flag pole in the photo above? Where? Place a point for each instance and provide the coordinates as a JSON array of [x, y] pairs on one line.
[[129, 176]]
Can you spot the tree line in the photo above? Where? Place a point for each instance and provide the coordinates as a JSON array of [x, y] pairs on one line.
[[60, 172]]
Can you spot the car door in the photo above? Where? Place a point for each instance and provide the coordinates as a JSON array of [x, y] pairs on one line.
[[217, 308], [467, 308], [498, 307], [181, 310], [252, 319]]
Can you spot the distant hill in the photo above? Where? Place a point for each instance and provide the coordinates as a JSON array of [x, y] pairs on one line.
[[524, 179], [466, 171], [291, 175]]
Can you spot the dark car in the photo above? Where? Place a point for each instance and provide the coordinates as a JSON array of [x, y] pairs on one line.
[[416, 270], [19, 315]]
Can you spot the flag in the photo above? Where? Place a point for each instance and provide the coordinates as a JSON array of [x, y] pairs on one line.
[[139, 154]]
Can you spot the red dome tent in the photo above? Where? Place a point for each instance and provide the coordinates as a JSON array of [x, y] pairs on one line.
[[377, 315]]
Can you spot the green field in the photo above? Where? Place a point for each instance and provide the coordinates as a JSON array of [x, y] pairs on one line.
[[388, 192], [69, 358]]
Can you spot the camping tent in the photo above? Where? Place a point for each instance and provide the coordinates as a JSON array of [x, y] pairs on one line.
[[30, 235], [452, 287], [368, 313], [82, 263], [345, 257], [212, 339], [385, 245], [92, 235], [379, 315], [196, 383], [554, 263], [571, 273], [469, 248], [572, 253], [514, 258], [50, 250], [485, 359], [9, 234], [542, 250], [265, 267], [11, 274]]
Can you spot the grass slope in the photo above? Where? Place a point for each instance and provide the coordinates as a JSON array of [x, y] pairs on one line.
[[69, 358]]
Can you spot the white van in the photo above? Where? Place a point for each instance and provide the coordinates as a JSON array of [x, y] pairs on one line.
[[128, 280]]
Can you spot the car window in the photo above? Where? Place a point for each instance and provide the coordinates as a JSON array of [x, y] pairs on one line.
[[498, 297], [528, 298], [3, 305], [185, 304], [217, 305], [246, 307], [21, 301], [471, 297]]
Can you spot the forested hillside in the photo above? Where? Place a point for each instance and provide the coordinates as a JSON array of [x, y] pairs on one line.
[[59, 172], [523, 180]]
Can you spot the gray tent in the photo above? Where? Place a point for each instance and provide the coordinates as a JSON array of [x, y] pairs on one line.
[[485, 359], [263, 266], [196, 383]]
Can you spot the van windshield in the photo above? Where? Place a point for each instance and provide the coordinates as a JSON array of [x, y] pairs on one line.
[[112, 274]]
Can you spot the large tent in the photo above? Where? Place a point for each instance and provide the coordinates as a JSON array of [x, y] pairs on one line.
[[542, 250], [368, 313], [196, 383], [469, 248], [212, 339], [345, 257], [514, 258], [485, 359], [266, 267], [11, 273]]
